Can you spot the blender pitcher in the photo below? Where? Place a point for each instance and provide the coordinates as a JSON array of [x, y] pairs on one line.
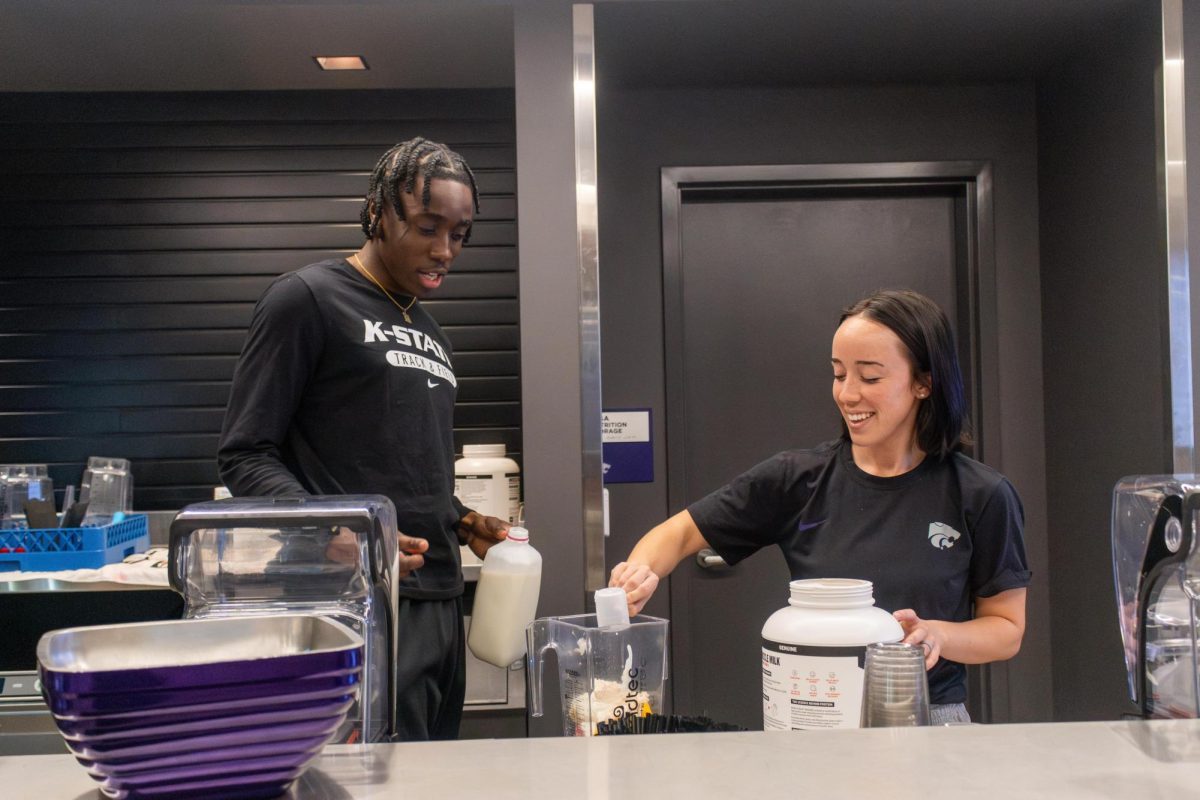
[[332, 556], [604, 673], [1156, 565]]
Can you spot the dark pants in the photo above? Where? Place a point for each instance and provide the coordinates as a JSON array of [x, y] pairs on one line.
[[432, 669]]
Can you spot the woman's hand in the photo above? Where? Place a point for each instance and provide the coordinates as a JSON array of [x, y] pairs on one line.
[[993, 635], [479, 532], [924, 632], [654, 556], [638, 581]]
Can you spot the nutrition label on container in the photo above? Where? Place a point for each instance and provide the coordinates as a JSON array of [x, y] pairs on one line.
[[490, 493], [811, 687]]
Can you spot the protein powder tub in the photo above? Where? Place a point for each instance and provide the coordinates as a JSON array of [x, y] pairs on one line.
[[812, 654], [486, 481]]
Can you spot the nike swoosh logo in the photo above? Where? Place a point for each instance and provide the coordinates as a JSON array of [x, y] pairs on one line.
[[430, 384], [808, 526]]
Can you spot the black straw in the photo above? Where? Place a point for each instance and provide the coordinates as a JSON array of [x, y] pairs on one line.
[[658, 723]]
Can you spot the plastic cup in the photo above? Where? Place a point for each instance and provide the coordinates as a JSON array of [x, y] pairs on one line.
[[107, 488], [19, 483], [895, 686], [612, 607], [6, 509]]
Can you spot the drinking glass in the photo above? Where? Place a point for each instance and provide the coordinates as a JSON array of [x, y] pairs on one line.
[[895, 687]]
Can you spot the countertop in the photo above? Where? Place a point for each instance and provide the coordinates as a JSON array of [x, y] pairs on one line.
[[1056, 760]]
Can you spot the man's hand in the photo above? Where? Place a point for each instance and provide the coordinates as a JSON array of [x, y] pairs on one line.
[[479, 532], [411, 559], [343, 548]]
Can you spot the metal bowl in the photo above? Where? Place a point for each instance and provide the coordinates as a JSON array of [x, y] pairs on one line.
[[220, 651]]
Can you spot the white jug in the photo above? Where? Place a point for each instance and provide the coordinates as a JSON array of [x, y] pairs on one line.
[[505, 599]]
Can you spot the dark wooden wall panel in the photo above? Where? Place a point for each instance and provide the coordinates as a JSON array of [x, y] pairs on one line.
[[138, 230]]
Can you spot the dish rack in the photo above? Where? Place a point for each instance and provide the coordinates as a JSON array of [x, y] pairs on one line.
[[51, 549]]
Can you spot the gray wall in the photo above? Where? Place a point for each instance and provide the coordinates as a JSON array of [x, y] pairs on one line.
[[642, 130], [1104, 322]]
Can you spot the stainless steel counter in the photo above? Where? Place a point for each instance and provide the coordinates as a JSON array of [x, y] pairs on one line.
[[1061, 760], [34, 585]]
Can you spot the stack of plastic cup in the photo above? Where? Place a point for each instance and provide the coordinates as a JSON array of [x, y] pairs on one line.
[[19, 483], [6, 510], [895, 687]]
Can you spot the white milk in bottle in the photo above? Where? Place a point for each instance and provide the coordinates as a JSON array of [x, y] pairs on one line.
[[505, 599]]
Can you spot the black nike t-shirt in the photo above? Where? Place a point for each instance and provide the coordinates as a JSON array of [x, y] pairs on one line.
[[335, 393], [931, 540]]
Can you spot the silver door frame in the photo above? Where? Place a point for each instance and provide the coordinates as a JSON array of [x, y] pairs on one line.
[[1181, 295], [988, 685]]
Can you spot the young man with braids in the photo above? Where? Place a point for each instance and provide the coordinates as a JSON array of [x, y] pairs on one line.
[[346, 386]]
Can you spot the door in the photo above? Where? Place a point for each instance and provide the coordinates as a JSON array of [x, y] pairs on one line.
[[758, 263]]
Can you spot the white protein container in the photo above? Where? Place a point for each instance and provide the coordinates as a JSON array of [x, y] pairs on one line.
[[813, 650], [486, 481]]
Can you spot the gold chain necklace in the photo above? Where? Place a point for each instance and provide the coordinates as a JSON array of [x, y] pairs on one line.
[[403, 309]]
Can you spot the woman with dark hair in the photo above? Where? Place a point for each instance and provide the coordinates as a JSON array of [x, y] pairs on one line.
[[893, 501]]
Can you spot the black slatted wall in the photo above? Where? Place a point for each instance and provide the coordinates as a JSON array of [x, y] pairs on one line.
[[137, 231]]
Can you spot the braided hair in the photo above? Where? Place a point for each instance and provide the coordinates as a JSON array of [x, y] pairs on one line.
[[397, 171]]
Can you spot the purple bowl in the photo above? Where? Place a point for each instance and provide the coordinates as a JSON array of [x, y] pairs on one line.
[[258, 786], [241, 679], [216, 766], [120, 752], [164, 726], [219, 652], [229, 724], [99, 769], [232, 708], [264, 730], [116, 707], [244, 768]]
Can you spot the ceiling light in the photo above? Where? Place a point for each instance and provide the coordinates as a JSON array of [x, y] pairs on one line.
[[341, 62]]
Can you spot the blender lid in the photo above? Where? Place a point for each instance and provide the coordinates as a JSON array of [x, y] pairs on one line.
[[261, 548], [265, 512]]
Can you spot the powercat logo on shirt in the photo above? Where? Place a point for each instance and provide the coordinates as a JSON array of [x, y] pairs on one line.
[[417, 344], [942, 536]]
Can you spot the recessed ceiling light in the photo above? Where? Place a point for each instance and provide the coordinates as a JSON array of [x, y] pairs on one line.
[[341, 62]]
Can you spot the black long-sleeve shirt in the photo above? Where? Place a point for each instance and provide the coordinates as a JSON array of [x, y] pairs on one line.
[[336, 394]]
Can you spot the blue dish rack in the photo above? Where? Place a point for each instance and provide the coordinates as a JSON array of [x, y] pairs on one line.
[[51, 549]]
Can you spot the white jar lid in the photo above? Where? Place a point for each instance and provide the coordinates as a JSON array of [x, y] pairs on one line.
[[832, 593], [470, 450]]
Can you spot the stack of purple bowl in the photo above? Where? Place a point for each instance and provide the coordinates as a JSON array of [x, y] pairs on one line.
[[232, 708]]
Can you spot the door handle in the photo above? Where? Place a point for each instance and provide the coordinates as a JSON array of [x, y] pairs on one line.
[[708, 559]]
